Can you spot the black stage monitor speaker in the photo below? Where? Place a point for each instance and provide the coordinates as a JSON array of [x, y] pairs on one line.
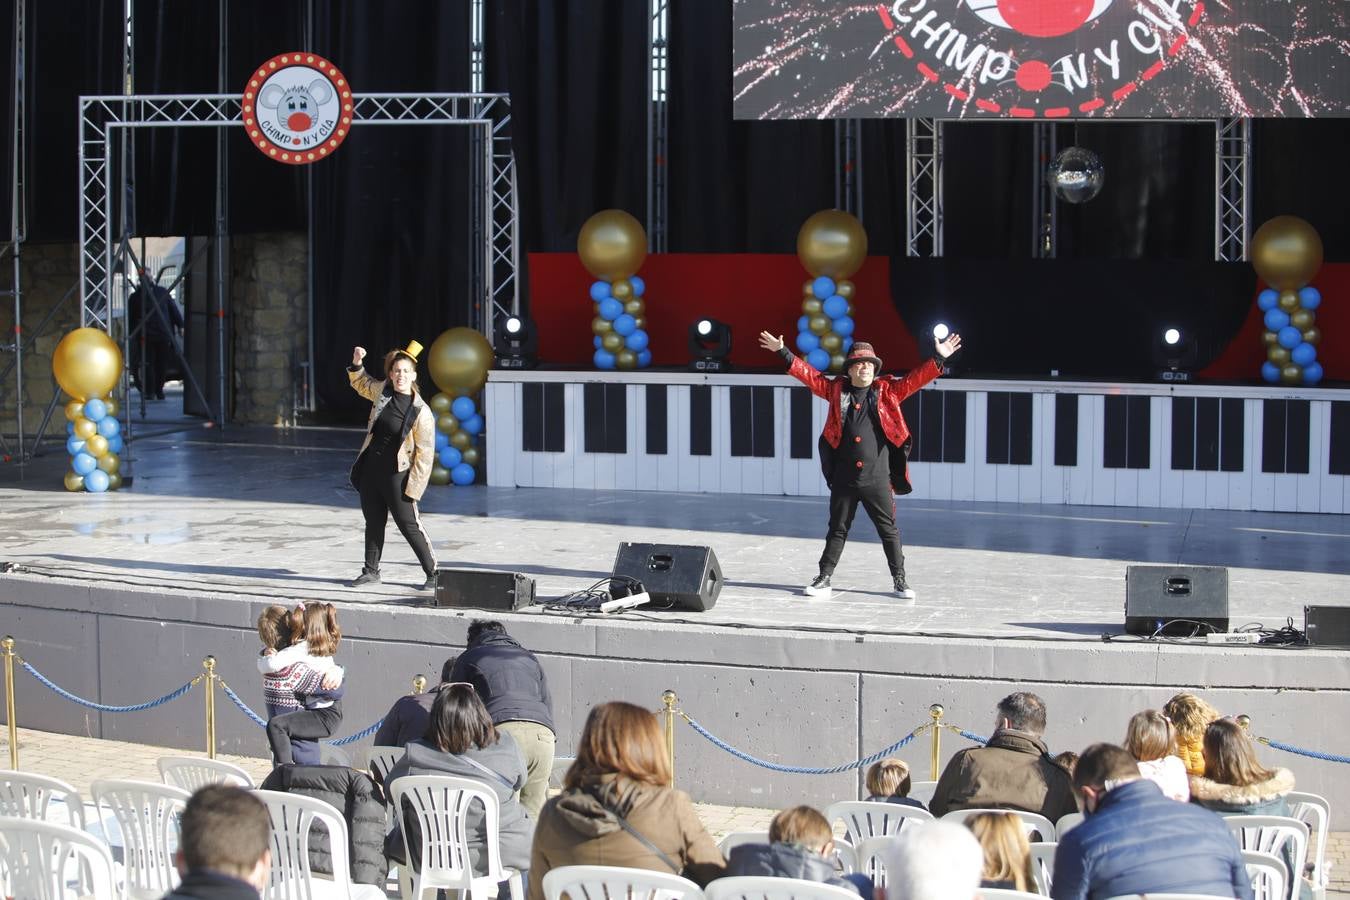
[[685, 576], [480, 589], [1327, 626], [1156, 597]]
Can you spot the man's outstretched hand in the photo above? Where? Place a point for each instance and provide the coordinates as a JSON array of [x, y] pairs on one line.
[[769, 342], [949, 346]]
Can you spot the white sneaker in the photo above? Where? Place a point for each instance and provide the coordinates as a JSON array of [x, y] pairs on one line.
[[820, 587]]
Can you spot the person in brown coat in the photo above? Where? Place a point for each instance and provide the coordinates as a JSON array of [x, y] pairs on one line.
[[616, 808]]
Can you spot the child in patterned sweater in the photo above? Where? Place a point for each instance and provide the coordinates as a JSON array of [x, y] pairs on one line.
[[302, 685]]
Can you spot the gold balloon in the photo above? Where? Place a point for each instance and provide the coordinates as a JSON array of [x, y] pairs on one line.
[[832, 342], [635, 307], [808, 288], [96, 445], [1270, 337], [471, 456], [837, 362], [1278, 355], [1291, 374], [85, 429], [812, 306], [612, 341], [612, 244], [74, 409], [459, 361], [447, 424], [113, 405], [1288, 301], [1303, 319], [622, 289], [109, 462], [1286, 252], [820, 324], [600, 325], [461, 440], [844, 289], [74, 481], [440, 474], [625, 359], [87, 363], [440, 404], [1313, 335], [641, 322], [849, 313], [833, 243], [114, 481]]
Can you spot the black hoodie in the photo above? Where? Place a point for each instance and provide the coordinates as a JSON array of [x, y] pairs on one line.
[[508, 679]]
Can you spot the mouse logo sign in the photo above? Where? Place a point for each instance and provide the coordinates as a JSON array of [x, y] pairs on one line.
[[297, 108]]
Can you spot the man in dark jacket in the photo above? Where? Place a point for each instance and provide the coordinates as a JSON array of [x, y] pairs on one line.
[[225, 846], [407, 719], [511, 684], [154, 310], [1012, 771], [355, 796], [1136, 841]]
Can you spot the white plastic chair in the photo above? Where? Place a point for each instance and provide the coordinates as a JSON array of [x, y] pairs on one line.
[[147, 815], [1267, 873], [1271, 834], [293, 818], [873, 818], [381, 760], [49, 861], [192, 772], [24, 795], [606, 882], [922, 791], [1031, 822], [440, 802], [758, 887], [1315, 812], [1067, 823], [871, 857], [1043, 865]]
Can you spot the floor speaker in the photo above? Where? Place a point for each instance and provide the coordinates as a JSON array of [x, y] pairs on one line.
[[685, 576], [479, 589], [1158, 598], [1327, 626]]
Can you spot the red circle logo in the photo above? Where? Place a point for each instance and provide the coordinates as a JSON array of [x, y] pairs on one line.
[[297, 108]]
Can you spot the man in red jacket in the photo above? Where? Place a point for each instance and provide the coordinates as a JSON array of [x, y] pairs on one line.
[[864, 447]]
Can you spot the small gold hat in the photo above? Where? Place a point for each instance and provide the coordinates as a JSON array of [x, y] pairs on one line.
[[413, 350]]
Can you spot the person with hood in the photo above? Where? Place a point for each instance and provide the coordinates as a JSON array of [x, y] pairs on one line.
[[511, 683], [801, 845], [617, 809]]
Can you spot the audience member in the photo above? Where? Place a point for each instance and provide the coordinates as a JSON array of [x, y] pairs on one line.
[[1007, 854], [408, 718], [801, 845], [1152, 741], [617, 808], [356, 797], [224, 846], [936, 861], [888, 781], [512, 684], [1067, 760], [1012, 771], [298, 710], [1136, 841], [1190, 716], [1234, 779]]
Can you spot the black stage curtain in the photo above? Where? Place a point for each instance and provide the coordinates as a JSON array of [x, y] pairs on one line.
[[1296, 171]]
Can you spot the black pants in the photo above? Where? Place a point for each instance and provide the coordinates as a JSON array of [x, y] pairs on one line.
[[880, 505], [306, 724], [381, 496]]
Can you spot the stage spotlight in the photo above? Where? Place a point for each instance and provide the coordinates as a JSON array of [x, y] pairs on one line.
[[709, 344], [941, 331], [1175, 354], [516, 343]]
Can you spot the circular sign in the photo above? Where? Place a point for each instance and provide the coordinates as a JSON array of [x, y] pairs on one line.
[[297, 108]]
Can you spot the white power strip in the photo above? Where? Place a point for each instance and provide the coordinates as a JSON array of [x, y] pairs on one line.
[[626, 602], [1233, 637]]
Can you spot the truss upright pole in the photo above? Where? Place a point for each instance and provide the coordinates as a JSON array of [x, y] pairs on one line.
[[18, 211], [1232, 188], [923, 187], [1044, 212], [311, 386], [222, 213], [658, 124], [848, 186]]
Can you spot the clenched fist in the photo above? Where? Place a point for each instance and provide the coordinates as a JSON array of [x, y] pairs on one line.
[[358, 354]]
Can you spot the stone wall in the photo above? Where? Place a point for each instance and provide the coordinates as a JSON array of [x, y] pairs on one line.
[[270, 302], [49, 273]]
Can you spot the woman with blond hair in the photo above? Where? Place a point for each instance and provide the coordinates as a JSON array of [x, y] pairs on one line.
[[1007, 855], [1152, 741], [617, 807]]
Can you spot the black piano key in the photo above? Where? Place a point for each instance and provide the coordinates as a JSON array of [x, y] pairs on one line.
[[532, 417], [656, 419], [1232, 434], [555, 418], [1207, 434], [1139, 432], [953, 424], [1020, 429], [1273, 418], [801, 434], [763, 421], [996, 425], [1115, 427], [1183, 434], [742, 423], [1066, 429], [1338, 457], [1297, 436], [700, 420]]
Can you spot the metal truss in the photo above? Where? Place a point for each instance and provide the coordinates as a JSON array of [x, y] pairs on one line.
[[1044, 208], [658, 124], [102, 119], [848, 166], [18, 223], [923, 187], [1232, 188]]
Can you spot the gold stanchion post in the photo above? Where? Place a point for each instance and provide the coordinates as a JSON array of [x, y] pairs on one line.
[[211, 677], [669, 699], [1245, 722], [419, 684], [936, 711], [8, 644]]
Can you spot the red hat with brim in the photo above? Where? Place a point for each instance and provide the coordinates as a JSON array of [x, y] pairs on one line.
[[862, 351]]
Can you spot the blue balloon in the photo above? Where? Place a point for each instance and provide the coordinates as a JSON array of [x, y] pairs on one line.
[[639, 286], [804, 323], [462, 474], [644, 357], [611, 309], [835, 307], [450, 456], [1267, 300], [95, 409], [807, 342], [1310, 297], [83, 463], [1290, 337], [848, 344], [108, 426], [74, 444], [597, 342], [1312, 373], [463, 407], [823, 287], [70, 428], [1270, 372], [1304, 353], [625, 325], [603, 359], [636, 341], [600, 290], [115, 444], [819, 359], [843, 326], [1276, 319], [96, 482], [442, 441], [473, 424]]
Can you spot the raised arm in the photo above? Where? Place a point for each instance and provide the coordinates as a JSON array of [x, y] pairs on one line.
[[362, 383], [797, 367]]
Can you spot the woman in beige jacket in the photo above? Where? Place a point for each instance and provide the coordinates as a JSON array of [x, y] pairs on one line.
[[394, 465]]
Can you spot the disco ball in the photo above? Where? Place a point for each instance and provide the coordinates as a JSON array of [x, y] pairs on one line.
[[1076, 175]]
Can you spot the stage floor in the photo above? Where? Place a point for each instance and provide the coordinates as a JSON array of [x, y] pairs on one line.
[[267, 513]]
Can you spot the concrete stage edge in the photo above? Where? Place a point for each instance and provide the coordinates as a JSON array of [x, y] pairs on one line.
[[797, 697]]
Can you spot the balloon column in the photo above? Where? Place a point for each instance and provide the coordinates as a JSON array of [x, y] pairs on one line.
[[459, 361], [832, 246], [612, 246], [87, 364], [1287, 252]]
